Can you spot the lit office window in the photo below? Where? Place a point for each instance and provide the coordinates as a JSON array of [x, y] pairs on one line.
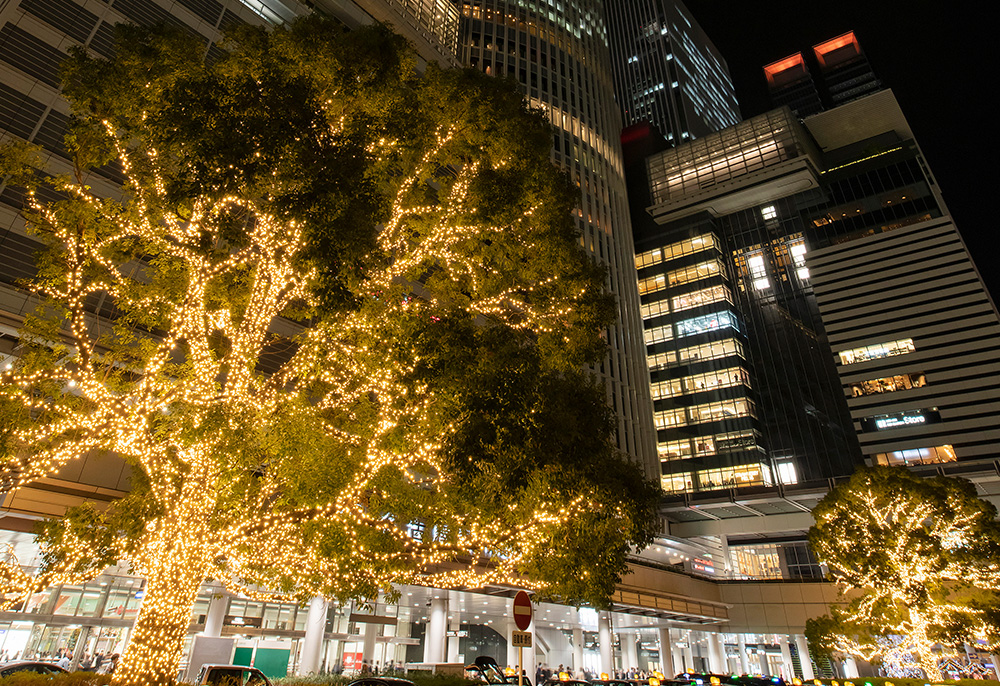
[[709, 322], [887, 384], [769, 212], [877, 351], [798, 250], [651, 284], [705, 296], [758, 272], [658, 334], [711, 351], [695, 272]]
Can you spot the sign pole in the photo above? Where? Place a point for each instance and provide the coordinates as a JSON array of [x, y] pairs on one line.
[[520, 669]]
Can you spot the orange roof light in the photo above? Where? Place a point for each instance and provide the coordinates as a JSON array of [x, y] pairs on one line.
[[791, 62], [827, 47]]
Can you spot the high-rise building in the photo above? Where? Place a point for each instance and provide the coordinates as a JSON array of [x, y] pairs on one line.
[[559, 54], [844, 72], [667, 71], [808, 302]]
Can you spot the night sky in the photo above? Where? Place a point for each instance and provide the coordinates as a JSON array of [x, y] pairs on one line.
[[940, 60]]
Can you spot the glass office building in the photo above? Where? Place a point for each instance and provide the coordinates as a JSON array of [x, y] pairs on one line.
[[667, 71]]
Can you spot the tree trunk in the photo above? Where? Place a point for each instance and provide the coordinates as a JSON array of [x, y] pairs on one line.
[[175, 556], [923, 646]]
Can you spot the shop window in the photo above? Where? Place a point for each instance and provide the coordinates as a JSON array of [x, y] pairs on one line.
[[934, 455], [877, 351]]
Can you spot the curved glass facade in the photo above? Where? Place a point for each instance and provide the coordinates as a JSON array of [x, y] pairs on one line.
[[558, 51]]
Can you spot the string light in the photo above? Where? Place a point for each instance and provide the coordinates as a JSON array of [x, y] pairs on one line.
[[185, 406]]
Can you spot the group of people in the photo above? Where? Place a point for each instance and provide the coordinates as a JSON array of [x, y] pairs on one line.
[[63, 657]]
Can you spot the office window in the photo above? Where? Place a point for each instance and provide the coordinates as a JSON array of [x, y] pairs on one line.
[[877, 351], [669, 418], [888, 384], [696, 272], [661, 360], [651, 284], [706, 323], [726, 409], [654, 309], [658, 334], [769, 212], [709, 381], [674, 450], [665, 389], [758, 272], [711, 351], [705, 296], [677, 483]]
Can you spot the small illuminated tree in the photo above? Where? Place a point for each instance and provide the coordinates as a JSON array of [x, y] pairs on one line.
[[918, 562], [344, 315]]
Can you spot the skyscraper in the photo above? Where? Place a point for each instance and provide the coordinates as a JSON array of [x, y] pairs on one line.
[[667, 71], [844, 74], [559, 54]]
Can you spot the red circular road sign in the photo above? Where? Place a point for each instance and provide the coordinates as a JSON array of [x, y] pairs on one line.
[[522, 610]]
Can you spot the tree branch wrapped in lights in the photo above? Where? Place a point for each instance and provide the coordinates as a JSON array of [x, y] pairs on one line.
[[345, 313]]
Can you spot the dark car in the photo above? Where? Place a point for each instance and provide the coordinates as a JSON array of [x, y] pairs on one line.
[[34, 666], [375, 680]]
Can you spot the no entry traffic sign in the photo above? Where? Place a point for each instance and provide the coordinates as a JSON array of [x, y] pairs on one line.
[[522, 611]]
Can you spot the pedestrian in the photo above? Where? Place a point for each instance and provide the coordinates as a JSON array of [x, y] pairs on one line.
[[86, 663], [111, 664], [98, 661], [64, 662]]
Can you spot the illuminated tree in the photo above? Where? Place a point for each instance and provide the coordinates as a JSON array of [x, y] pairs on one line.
[[918, 561], [344, 316]]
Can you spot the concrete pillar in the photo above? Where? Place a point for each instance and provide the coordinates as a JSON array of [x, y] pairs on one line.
[[604, 640], [453, 641], [436, 629], [996, 665], [850, 668], [369, 639], [312, 644], [666, 653], [577, 652], [804, 658], [741, 643], [216, 616], [687, 652], [717, 654], [726, 563], [630, 655], [79, 648], [787, 668]]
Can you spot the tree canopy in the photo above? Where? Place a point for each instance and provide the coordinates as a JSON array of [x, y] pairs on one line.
[[918, 560], [345, 314]]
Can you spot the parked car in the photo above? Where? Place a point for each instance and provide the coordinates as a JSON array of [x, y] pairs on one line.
[[231, 675], [375, 680], [36, 666]]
